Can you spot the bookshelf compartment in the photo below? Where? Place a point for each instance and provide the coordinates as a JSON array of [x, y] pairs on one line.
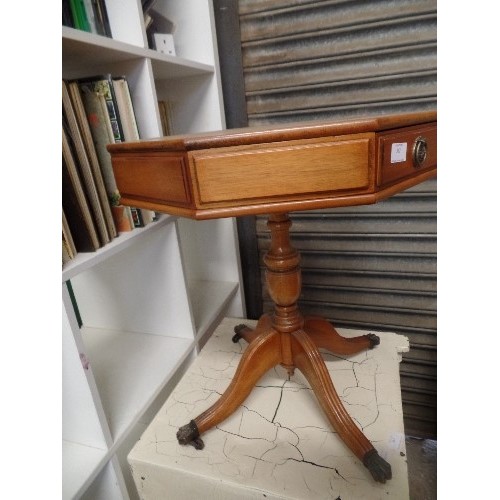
[[213, 286], [80, 414], [209, 300], [137, 325], [194, 35], [195, 103], [130, 369], [141, 289], [127, 21], [208, 245]]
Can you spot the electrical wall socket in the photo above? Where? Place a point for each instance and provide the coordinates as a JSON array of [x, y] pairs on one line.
[[164, 43]]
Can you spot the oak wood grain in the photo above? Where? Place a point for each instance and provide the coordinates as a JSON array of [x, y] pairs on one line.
[[249, 171], [287, 170]]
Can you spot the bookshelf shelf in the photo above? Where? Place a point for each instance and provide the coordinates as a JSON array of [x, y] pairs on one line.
[[140, 306], [81, 50], [86, 260]]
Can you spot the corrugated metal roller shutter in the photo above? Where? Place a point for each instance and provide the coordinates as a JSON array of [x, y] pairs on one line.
[[371, 267], [311, 60]]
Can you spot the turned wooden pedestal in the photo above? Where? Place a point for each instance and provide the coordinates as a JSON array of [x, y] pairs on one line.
[[275, 171], [289, 339]]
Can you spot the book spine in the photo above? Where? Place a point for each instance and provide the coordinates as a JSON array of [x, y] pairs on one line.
[[100, 127], [89, 12], [88, 141], [125, 109], [79, 17], [83, 163], [165, 116], [103, 85], [102, 18], [113, 111], [68, 238], [75, 203], [67, 17], [137, 217], [66, 257]]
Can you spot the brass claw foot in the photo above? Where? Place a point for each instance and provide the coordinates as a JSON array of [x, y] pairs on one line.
[[188, 434], [379, 468], [374, 340], [237, 329]]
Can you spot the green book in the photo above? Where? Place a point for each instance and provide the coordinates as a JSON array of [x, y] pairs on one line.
[[79, 15]]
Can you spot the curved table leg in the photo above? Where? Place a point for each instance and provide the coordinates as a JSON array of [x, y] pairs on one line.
[[262, 354], [308, 360], [324, 335]]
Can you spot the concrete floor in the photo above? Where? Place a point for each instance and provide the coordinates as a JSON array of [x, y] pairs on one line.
[[422, 468]]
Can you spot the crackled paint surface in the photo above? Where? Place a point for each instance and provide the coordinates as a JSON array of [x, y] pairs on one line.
[[279, 443]]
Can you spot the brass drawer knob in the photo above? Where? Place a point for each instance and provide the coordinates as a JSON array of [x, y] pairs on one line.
[[419, 151]]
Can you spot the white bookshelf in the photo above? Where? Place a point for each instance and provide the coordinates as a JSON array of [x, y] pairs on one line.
[[149, 297]]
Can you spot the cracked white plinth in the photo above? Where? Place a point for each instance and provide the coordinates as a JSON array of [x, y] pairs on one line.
[[278, 444]]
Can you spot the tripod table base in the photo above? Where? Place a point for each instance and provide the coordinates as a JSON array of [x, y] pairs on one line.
[[265, 352], [278, 441]]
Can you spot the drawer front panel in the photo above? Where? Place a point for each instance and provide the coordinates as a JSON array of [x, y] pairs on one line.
[[397, 150], [160, 178], [231, 175]]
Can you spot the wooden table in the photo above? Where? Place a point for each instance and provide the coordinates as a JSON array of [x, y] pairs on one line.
[[274, 171]]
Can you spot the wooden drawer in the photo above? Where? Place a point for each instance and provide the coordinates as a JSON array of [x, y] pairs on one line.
[[158, 178], [281, 171], [402, 154]]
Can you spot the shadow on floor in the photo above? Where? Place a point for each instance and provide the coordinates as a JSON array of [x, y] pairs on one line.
[[422, 468]]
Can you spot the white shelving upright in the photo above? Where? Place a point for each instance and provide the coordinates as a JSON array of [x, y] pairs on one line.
[[151, 297]]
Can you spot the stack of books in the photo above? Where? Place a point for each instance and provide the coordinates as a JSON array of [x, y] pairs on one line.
[[86, 15], [97, 111]]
